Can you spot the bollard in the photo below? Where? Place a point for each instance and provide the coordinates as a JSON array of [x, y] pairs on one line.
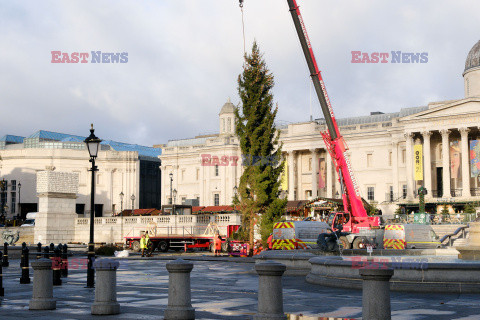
[[1, 277], [64, 261], [179, 291], [39, 250], [42, 298], [24, 265], [52, 247], [46, 253], [270, 295], [5, 262], [106, 287], [376, 293], [56, 265]]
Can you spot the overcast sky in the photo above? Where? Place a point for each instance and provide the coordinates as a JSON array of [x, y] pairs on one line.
[[184, 57]]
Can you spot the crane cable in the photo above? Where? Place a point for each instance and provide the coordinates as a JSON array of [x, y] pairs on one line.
[[243, 28]]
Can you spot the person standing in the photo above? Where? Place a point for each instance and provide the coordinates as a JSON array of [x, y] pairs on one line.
[[148, 245], [143, 243], [218, 245], [270, 241]]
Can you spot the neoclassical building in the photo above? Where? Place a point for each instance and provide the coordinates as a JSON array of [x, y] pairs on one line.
[[392, 154], [126, 169]]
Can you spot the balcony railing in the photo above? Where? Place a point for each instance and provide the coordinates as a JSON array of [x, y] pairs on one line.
[[457, 218]]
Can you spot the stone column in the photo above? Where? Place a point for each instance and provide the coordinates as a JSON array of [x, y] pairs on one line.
[[270, 295], [314, 173], [330, 175], [409, 164], [106, 287], [179, 292], [42, 286], [465, 162], [395, 169], [427, 161], [446, 163], [291, 176], [376, 293]]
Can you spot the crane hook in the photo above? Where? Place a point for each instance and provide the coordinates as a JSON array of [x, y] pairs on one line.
[[240, 3]]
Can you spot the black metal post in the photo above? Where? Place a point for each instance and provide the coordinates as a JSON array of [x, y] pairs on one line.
[[57, 262], [39, 250], [91, 244], [64, 261], [2, 292], [46, 253], [52, 247], [24, 264], [5, 262]]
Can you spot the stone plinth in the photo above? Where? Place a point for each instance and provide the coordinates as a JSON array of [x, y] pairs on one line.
[[471, 251], [55, 221]]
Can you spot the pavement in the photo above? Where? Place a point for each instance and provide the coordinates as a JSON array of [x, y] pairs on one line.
[[222, 288]]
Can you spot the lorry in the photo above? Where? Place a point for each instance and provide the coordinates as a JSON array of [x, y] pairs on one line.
[[291, 235], [180, 229]]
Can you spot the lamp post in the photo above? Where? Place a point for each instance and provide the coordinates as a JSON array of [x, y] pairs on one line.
[[93, 144], [171, 182], [19, 199], [3, 187], [133, 202], [121, 214]]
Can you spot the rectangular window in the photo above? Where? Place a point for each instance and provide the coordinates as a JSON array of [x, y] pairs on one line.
[[216, 199], [404, 191], [369, 160], [390, 158], [390, 196], [14, 201], [183, 200], [169, 200], [14, 185], [216, 170], [404, 156], [371, 193]]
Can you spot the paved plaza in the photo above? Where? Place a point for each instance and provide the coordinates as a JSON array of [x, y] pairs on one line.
[[222, 288]]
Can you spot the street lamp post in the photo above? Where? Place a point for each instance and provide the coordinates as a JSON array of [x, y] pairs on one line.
[[19, 199], [171, 192], [121, 217], [93, 144], [133, 202]]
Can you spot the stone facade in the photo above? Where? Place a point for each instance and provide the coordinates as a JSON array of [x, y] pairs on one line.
[[381, 149]]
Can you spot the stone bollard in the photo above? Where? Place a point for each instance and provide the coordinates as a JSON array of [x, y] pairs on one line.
[[64, 261], [57, 264], [179, 291], [5, 262], [39, 250], [25, 265], [376, 294], [42, 286], [1, 278], [270, 294], [106, 287]]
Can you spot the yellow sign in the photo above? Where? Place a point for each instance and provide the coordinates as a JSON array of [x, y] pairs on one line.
[[418, 158], [284, 177]]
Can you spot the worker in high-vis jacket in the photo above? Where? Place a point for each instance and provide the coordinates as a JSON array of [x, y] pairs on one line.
[[270, 241], [143, 244]]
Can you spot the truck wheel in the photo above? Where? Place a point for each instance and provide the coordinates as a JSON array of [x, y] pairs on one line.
[[359, 243], [136, 246], [163, 246], [344, 242]]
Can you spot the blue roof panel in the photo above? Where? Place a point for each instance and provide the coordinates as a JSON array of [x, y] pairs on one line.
[[12, 139]]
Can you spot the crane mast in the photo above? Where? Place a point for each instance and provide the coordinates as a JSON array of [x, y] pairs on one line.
[[334, 141]]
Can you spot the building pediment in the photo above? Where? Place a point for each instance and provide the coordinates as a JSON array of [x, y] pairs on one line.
[[459, 108]]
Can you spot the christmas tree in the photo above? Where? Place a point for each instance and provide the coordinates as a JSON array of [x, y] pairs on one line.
[[260, 182]]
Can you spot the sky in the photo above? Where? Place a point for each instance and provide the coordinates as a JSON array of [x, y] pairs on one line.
[[184, 58]]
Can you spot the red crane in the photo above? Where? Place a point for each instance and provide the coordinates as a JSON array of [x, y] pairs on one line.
[[355, 216]]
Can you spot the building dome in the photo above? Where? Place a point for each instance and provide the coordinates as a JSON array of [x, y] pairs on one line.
[[473, 58], [228, 107]]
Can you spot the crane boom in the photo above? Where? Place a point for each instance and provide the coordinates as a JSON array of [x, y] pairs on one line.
[[334, 141]]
